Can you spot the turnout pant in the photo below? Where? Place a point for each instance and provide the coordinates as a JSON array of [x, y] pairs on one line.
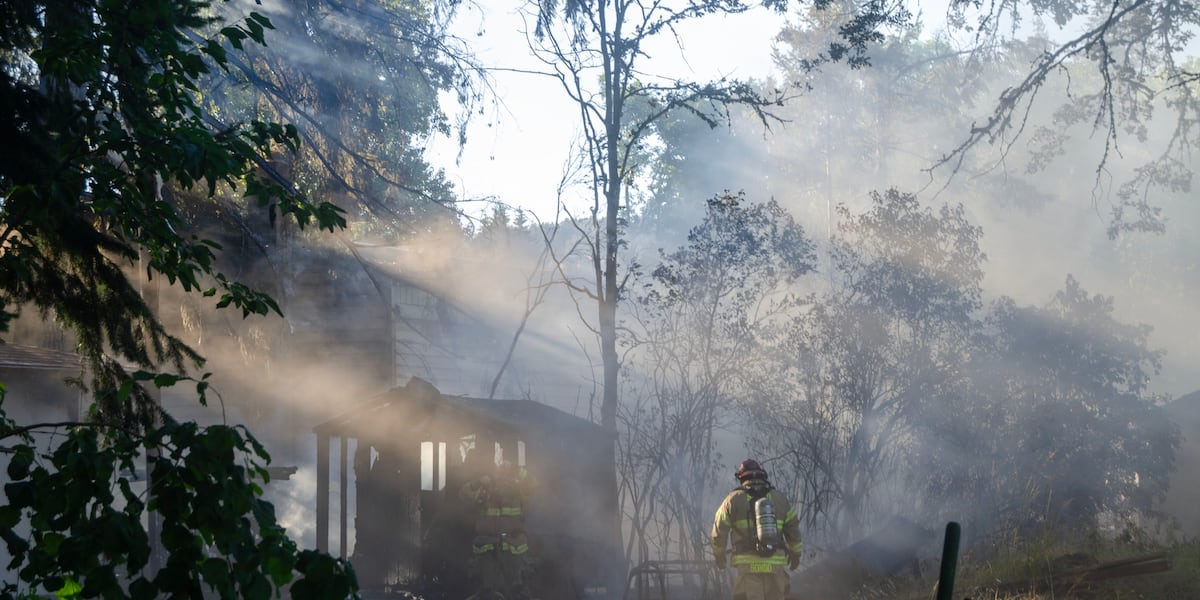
[[497, 568], [772, 585]]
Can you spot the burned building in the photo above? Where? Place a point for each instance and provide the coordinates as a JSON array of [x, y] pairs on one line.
[[398, 462], [36, 379]]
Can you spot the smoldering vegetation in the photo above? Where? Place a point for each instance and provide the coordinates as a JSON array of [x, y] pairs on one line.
[[991, 342], [1009, 343], [889, 384]]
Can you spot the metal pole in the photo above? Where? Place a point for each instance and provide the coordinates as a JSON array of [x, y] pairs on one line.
[[149, 291], [343, 496], [945, 588], [322, 492]]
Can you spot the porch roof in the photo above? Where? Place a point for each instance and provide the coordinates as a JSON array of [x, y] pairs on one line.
[[419, 408], [16, 356]]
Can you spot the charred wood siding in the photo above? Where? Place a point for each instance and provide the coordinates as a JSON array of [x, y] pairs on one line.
[[398, 538], [434, 340]]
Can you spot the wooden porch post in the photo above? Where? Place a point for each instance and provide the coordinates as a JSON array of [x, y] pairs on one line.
[[345, 496], [323, 492]]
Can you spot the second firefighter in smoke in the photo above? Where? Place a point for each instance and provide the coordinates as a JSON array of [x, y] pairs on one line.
[[500, 560]]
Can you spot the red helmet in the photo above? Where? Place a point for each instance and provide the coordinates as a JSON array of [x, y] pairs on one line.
[[749, 469]]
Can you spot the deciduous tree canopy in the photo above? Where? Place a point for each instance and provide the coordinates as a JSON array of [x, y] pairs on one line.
[[104, 119]]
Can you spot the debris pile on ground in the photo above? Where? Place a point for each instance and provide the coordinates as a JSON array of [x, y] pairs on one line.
[[1078, 574]]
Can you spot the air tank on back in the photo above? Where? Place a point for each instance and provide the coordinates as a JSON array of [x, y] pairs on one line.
[[766, 526]]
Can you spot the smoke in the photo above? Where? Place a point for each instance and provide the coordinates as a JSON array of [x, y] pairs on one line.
[[489, 316], [1185, 483], [456, 305], [1046, 218]]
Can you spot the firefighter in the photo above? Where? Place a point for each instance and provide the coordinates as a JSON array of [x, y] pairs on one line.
[[500, 547], [760, 524]]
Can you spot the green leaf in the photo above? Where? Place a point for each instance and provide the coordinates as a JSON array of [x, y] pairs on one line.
[[258, 588], [279, 568], [9, 516], [142, 589], [20, 462], [234, 35], [261, 19], [124, 391], [216, 51], [21, 494], [216, 572], [50, 542], [162, 380], [256, 31], [69, 590]]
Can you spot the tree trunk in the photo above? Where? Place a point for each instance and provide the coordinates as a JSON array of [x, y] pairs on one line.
[[614, 92]]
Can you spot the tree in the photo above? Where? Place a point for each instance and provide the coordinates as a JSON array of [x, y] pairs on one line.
[[360, 81], [595, 51], [701, 321], [877, 350], [103, 116], [850, 132], [1060, 427], [899, 393], [1130, 58], [1038, 84], [886, 123]]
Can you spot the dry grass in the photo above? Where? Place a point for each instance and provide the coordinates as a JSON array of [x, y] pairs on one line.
[[1049, 569]]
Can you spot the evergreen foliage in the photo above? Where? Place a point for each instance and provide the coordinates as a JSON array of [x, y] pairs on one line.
[[360, 83], [103, 122]]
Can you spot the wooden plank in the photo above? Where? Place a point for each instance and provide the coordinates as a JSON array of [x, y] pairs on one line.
[[1129, 568], [323, 492], [1071, 579]]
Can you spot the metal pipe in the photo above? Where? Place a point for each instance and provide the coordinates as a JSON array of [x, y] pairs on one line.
[[945, 587], [343, 497], [322, 492]]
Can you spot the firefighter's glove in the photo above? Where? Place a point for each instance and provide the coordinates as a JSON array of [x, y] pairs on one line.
[[720, 562], [793, 561]]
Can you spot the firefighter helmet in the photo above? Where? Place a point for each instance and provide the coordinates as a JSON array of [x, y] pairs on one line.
[[749, 469]]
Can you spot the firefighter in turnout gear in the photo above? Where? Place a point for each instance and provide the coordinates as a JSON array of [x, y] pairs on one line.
[[499, 550], [760, 524]]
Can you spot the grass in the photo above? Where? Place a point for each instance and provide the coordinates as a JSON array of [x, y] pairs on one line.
[[1038, 568]]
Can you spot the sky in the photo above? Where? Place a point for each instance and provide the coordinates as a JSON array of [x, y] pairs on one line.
[[516, 155]]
